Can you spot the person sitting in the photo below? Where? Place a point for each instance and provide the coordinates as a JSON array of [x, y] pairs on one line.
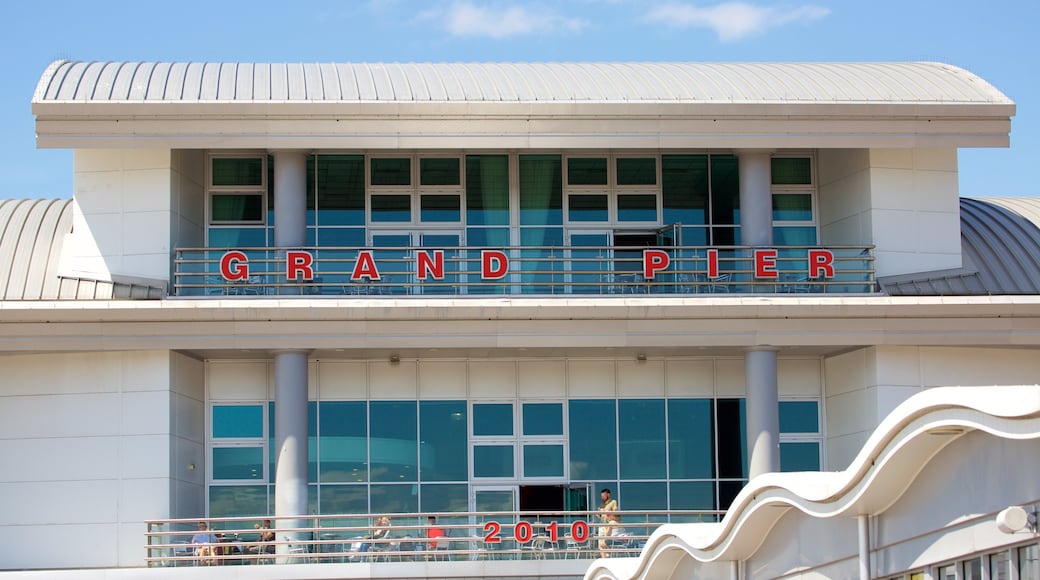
[[264, 542], [380, 533], [433, 531], [205, 543], [618, 534]]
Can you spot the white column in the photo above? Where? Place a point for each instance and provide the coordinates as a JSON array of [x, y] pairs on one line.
[[290, 436], [763, 411], [863, 528], [290, 198], [756, 199]]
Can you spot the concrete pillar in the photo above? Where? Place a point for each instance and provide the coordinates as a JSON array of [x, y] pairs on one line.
[[290, 198], [290, 437], [756, 200], [763, 411], [863, 532]]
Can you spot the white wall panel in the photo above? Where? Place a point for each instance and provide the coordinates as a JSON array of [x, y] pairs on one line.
[[93, 372], [59, 546], [542, 378], [59, 459], [144, 456], [346, 380], [591, 378], [729, 378], [849, 371], [392, 381], [798, 377], [640, 378], [67, 502], [690, 378], [237, 380], [77, 415], [979, 366], [442, 380], [138, 414]]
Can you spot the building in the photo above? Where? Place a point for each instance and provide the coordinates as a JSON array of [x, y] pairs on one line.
[[322, 289]]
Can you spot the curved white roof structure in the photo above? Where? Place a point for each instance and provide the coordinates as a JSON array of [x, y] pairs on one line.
[[897, 451]]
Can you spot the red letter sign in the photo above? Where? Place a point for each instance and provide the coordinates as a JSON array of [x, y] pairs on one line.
[[713, 263], [298, 264], [234, 266], [821, 264], [493, 264], [765, 263], [425, 266], [365, 267], [653, 262]]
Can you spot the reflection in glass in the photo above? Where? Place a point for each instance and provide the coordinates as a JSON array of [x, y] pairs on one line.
[[394, 442], [799, 417], [493, 461], [395, 499], [487, 190], [391, 171], [684, 190], [452, 497], [439, 208], [593, 443], [541, 190], [643, 496], [492, 419], [442, 437], [587, 171], [691, 439], [543, 460], [439, 171], [343, 441], [344, 499], [637, 171], [543, 418], [227, 501], [232, 421], [693, 495], [800, 456], [237, 171], [637, 208], [641, 438], [791, 171], [238, 463], [587, 208], [391, 208], [236, 207]]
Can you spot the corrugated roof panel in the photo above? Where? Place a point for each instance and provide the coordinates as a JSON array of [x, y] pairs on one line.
[[312, 82], [192, 90], [279, 82], [174, 89], [209, 81], [330, 82], [381, 82], [244, 81], [348, 83], [87, 84], [262, 82], [31, 233], [227, 81], [155, 90], [436, 85], [365, 76], [122, 84], [402, 82]]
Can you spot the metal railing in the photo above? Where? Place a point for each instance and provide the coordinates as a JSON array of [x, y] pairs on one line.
[[352, 538], [527, 270]]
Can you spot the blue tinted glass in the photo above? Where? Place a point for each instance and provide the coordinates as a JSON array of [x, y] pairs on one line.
[[541, 190], [799, 417], [487, 237], [487, 190], [543, 418], [238, 421], [493, 461], [394, 442], [543, 460], [238, 463], [391, 208], [637, 171], [792, 207], [344, 499], [587, 208], [800, 456], [395, 499], [492, 419], [254, 237], [593, 436], [693, 495], [692, 236], [794, 236], [444, 497], [342, 237], [342, 217], [643, 496], [343, 441], [637, 208], [541, 237], [691, 439], [228, 501], [440, 208], [684, 189], [442, 441], [641, 438]]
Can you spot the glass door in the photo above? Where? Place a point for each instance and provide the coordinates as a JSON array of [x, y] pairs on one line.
[[590, 263], [450, 243]]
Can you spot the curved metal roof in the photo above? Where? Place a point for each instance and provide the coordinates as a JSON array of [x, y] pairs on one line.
[[817, 83]]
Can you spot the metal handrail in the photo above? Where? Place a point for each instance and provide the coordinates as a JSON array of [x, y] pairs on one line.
[[341, 538]]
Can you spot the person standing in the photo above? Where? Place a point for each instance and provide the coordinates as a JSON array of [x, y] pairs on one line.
[[607, 516]]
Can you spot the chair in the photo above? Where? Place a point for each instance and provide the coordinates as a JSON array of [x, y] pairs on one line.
[[719, 284]]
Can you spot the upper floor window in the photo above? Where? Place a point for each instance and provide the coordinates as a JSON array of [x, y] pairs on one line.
[[237, 187], [612, 190], [793, 189], [404, 191]]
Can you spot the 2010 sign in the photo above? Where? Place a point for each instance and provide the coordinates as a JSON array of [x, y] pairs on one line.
[[523, 532]]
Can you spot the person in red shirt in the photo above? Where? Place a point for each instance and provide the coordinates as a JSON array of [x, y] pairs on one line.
[[433, 531]]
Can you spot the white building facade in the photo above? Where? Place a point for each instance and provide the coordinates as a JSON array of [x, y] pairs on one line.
[[290, 290]]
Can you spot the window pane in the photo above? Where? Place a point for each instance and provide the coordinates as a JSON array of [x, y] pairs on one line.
[[637, 208], [343, 441], [487, 237], [593, 436], [643, 496], [391, 171], [794, 236], [440, 208], [543, 418], [391, 208], [393, 445], [487, 190], [587, 171], [228, 501], [587, 208], [684, 189], [237, 171], [493, 419], [444, 498], [395, 499], [693, 495], [637, 171], [344, 499], [732, 446], [792, 171], [641, 439], [238, 421], [236, 207], [237, 237], [728, 491], [439, 171], [340, 182], [543, 460], [799, 417], [690, 439], [493, 461], [725, 190], [238, 463], [541, 190], [792, 207], [973, 569], [350, 237], [442, 441], [800, 456]]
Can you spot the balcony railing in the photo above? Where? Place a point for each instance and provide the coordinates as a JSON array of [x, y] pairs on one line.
[[540, 271], [469, 536]]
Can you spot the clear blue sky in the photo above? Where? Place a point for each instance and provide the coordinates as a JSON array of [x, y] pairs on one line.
[[996, 40]]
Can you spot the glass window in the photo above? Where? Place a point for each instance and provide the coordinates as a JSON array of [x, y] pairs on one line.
[[236, 207], [725, 192], [343, 441], [543, 418], [487, 237], [692, 495], [684, 181], [492, 419], [1029, 562], [487, 190], [637, 208], [732, 441], [439, 171], [794, 236], [340, 183], [238, 171], [237, 237], [792, 207], [238, 462], [440, 208], [792, 171], [395, 499], [641, 439], [637, 171], [392, 208], [238, 421], [643, 496], [973, 569], [541, 190], [800, 456], [587, 208], [691, 440], [228, 501], [442, 441], [799, 417], [593, 439], [587, 171], [493, 461], [543, 460], [444, 497], [947, 573], [344, 499], [393, 441], [391, 171], [728, 491]]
